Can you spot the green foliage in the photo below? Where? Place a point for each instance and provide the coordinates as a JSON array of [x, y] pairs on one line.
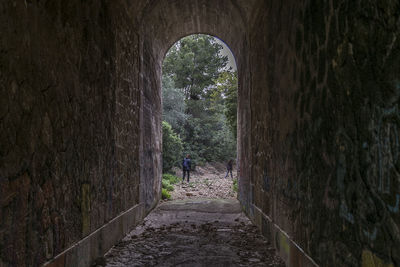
[[194, 81], [172, 179], [168, 180], [165, 194], [209, 138], [174, 104], [235, 185], [226, 88], [167, 185], [172, 147], [193, 63]]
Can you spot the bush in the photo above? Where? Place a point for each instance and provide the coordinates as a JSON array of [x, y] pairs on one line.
[[165, 194], [166, 185], [172, 147], [235, 185], [172, 179]]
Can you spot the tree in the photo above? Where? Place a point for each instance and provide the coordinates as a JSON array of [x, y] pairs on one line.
[[226, 92], [193, 63], [172, 147], [174, 105], [207, 135]]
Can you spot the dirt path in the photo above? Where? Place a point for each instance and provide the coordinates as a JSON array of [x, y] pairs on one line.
[[194, 233], [206, 182], [202, 225]]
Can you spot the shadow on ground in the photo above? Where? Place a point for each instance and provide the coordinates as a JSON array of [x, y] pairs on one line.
[[201, 232]]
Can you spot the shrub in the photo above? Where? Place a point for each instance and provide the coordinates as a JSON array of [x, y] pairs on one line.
[[172, 179], [166, 185], [172, 147], [235, 185], [165, 194]]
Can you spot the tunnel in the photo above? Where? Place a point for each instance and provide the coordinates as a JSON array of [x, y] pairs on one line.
[[318, 122]]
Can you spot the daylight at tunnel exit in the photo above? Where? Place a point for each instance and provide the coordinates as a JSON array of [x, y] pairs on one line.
[[200, 133]]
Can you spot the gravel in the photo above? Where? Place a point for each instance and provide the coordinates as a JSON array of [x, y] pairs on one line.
[[206, 182], [181, 232]]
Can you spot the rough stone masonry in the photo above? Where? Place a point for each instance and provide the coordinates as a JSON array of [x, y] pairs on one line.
[[318, 137]]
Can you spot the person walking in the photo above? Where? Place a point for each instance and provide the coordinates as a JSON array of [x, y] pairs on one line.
[[229, 167], [186, 166]]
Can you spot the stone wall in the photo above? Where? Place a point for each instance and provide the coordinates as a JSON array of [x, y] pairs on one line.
[[150, 124], [80, 136], [163, 23], [69, 124], [324, 126]]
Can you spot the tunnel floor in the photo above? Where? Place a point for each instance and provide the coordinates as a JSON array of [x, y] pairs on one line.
[[201, 232]]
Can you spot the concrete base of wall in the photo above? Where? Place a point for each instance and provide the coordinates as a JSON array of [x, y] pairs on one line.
[[95, 245], [287, 249]]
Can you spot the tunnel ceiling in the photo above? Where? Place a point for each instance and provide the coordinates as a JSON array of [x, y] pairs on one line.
[[318, 136], [164, 22]]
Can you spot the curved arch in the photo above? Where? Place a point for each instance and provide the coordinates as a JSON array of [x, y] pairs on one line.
[[162, 24], [165, 22]]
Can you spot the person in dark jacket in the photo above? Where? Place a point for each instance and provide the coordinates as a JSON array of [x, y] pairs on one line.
[[229, 167], [186, 166]]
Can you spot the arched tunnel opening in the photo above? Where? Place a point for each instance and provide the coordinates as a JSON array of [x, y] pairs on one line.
[[80, 123], [199, 119]]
